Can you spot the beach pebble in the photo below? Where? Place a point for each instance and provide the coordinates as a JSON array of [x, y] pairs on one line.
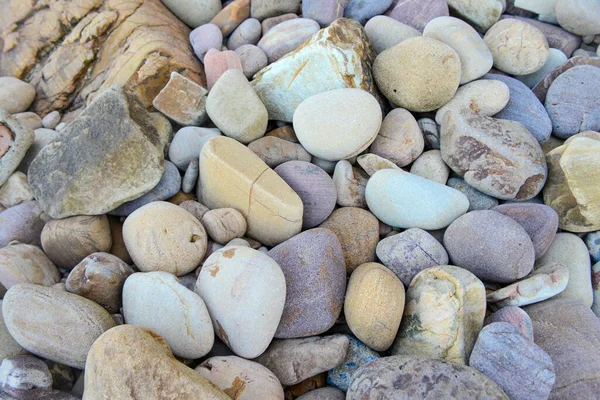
[[23, 223], [194, 12], [216, 63], [374, 305], [262, 9], [358, 233], [15, 190], [187, 144], [323, 11], [253, 59], [410, 252], [314, 186], [372, 163], [482, 14], [249, 32], [445, 308], [431, 133], [555, 59], [514, 316], [328, 126], [517, 47], [358, 355], [241, 379], [42, 137], [183, 101], [417, 13], [592, 240], [51, 120], [475, 57], [161, 236], [15, 95], [191, 176], [70, 324], [477, 200], [362, 11], [68, 241], [350, 183], [491, 245], [430, 166], [275, 151], [8, 346], [419, 74], [30, 119], [294, 360], [521, 368], [268, 23], [231, 175], [405, 200], [315, 274], [285, 37], [224, 224], [581, 17], [400, 139], [326, 393], [247, 319], [157, 301], [230, 17], [386, 32], [23, 374], [195, 208], [204, 38], [25, 263]]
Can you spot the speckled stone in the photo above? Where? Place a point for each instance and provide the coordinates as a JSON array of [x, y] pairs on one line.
[[477, 199], [315, 274], [417, 13], [521, 368], [350, 184], [410, 252], [592, 240], [314, 186], [514, 316], [400, 139], [524, 107], [358, 355], [430, 166], [167, 187], [421, 378], [362, 11], [358, 233], [572, 101]]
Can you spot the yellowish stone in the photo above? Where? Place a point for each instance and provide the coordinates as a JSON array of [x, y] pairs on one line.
[[231, 175]]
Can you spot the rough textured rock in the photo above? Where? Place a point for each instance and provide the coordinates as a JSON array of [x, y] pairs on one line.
[[358, 355], [570, 333], [74, 174], [23, 375], [183, 101], [445, 308], [522, 369], [56, 325], [420, 378], [131, 361], [15, 140], [498, 157], [135, 44], [25, 263], [336, 57]]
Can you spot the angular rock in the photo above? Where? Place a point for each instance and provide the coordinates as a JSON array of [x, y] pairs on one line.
[[25, 263], [15, 139], [358, 355], [339, 56], [183, 101]]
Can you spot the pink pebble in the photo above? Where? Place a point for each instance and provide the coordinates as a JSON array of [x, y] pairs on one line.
[[217, 62]]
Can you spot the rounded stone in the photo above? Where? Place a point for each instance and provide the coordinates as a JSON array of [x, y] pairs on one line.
[[315, 274], [68, 241], [400, 139], [372, 163], [157, 301], [475, 57], [350, 184], [314, 186], [247, 319], [54, 324], [581, 17], [25, 263], [204, 38], [15, 190], [420, 74], [196, 209], [410, 252], [572, 101], [161, 236], [275, 151], [325, 393], [15, 95], [521, 368], [241, 379], [23, 223], [253, 59], [374, 305], [187, 144], [421, 378], [285, 37], [24, 373], [491, 245], [362, 11], [518, 48], [417, 13], [555, 59], [430, 166], [224, 224], [51, 120], [330, 127], [358, 233], [248, 32], [404, 200], [386, 32], [100, 278], [194, 12], [8, 346]]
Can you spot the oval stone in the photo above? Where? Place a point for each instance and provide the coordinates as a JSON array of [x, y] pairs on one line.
[[248, 32], [404, 200], [400, 139], [187, 144], [386, 32], [491, 245], [54, 324], [275, 151], [417, 13], [329, 126], [285, 37], [247, 319], [25, 263]]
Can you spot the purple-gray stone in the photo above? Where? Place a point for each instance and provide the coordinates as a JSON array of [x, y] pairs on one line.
[[323, 11], [541, 89], [514, 316], [22, 222], [417, 13], [521, 368], [315, 275]]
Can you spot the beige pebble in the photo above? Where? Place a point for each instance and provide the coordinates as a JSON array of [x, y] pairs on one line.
[[350, 184], [400, 139], [385, 32], [15, 190], [430, 166], [372, 163], [224, 224], [25, 263], [275, 151]]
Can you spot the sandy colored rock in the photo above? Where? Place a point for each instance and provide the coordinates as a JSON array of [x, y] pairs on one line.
[[430, 166], [8, 346], [30, 119], [53, 324], [275, 151], [230, 17], [132, 361], [224, 224], [419, 74], [15, 190], [183, 101], [374, 305], [372, 163], [231, 175], [578, 16], [164, 237], [386, 32], [480, 13], [445, 308], [350, 184], [25, 263], [400, 139], [15, 95]]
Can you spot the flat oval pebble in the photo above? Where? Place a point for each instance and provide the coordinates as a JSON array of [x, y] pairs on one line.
[[315, 274], [430, 165], [25, 263], [514, 316], [419, 74], [421, 379], [482, 14], [15, 95], [249, 32], [410, 252], [404, 200], [329, 127], [314, 186], [491, 245], [157, 301], [275, 151], [224, 224], [400, 139], [285, 37], [358, 355], [521, 368], [374, 305], [253, 59], [362, 11], [247, 319], [53, 324], [241, 379], [161, 236], [15, 190], [386, 32], [23, 222], [204, 38]]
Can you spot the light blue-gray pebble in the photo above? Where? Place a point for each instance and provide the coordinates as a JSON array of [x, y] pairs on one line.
[[477, 199], [358, 355], [592, 240], [362, 10], [191, 176]]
